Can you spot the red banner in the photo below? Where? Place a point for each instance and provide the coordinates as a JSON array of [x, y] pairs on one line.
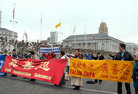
[[45, 70]]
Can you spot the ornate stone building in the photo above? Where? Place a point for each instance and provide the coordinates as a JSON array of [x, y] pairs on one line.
[[100, 41], [103, 28], [132, 48], [8, 35]]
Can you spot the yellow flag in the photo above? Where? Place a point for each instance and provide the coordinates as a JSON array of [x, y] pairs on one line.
[[58, 25]]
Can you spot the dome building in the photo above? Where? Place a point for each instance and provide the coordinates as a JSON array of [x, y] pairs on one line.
[[103, 28], [99, 41]]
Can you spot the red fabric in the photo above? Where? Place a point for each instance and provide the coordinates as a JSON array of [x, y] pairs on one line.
[[48, 56], [39, 69]]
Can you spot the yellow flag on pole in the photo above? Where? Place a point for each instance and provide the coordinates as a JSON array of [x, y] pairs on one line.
[[58, 25]]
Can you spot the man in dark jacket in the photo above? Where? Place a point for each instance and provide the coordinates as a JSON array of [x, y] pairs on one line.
[[14, 53], [123, 55], [113, 56], [99, 57], [32, 56], [15, 56]]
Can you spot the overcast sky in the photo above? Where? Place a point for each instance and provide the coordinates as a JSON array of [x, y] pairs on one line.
[[121, 17]]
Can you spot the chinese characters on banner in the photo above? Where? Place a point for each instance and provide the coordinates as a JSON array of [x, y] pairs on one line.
[[112, 70], [45, 70]]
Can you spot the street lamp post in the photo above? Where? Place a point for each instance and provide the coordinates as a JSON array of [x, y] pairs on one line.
[[13, 21], [60, 36]]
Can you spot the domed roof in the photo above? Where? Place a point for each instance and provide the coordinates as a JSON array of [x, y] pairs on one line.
[[103, 23]]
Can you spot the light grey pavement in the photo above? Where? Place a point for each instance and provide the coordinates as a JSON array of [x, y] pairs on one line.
[[17, 85]]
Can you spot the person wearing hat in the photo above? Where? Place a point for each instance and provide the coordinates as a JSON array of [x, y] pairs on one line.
[[135, 73]]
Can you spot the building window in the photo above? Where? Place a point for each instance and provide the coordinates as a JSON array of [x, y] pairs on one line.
[[79, 46], [83, 45], [89, 46]]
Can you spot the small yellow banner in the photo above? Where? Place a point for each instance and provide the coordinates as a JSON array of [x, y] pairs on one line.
[[112, 70]]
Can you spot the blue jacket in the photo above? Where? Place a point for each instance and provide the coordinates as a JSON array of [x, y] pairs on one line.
[[135, 71], [89, 57]]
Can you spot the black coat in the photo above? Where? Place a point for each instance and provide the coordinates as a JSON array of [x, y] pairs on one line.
[[113, 57], [14, 55], [100, 58], [127, 56]]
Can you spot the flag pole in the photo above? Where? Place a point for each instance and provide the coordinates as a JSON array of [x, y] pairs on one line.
[[60, 33], [74, 36], [41, 26], [13, 20], [85, 36]]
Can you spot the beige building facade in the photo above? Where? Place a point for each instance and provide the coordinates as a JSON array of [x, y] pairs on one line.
[[99, 41]]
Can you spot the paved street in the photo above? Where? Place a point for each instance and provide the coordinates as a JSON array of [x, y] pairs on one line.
[[10, 85]]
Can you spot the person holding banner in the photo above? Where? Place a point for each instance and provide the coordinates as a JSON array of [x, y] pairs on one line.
[[77, 81], [89, 56], [14, 53], [135, 73], [15, 56], [99, 57], [34, 57], [113, 55], [50, 55], [0, 53], [123, 55], [6, 52], [63, 81]]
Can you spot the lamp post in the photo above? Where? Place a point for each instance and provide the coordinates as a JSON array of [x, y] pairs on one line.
[[13, 26], [60, 36]]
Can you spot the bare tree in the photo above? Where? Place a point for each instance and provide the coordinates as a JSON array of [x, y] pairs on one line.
[[35, 46], [22, 46], [4, 42], [14, 43]]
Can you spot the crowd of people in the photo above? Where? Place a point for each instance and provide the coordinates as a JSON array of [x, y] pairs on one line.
[[122, 55]]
